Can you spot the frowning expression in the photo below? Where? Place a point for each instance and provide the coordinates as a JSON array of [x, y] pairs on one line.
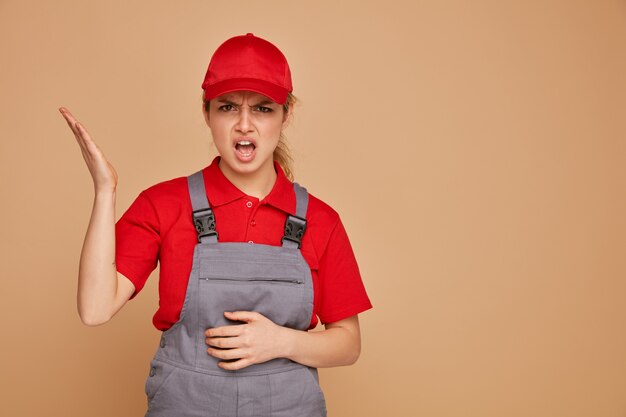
[[246, 128]]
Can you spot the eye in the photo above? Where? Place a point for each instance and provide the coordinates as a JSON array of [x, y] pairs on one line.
[[226, 107], [264, 109]]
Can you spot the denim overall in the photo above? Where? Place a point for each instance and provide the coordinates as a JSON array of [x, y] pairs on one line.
[[184, 380]]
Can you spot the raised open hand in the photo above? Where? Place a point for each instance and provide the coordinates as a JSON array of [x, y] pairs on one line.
[[102, 172]]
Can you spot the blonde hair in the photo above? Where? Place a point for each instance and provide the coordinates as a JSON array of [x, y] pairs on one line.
[[282, 154]]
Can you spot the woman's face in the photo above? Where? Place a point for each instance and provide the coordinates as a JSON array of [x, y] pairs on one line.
[[246, 128]]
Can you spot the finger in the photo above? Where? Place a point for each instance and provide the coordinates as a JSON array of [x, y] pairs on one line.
[[72, 122], [83, 133], [70, 119], [234, 330], [223, 342], [233, 366], [90, 145], [225, 354], [82, 136], [66, 113], [246, 316]]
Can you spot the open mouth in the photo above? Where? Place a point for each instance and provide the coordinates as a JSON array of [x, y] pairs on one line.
[[245, 147]]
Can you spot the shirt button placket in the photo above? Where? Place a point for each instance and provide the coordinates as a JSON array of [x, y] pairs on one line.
[[250, 205]]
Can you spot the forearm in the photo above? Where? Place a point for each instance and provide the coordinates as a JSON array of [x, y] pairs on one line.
[[98, 281], [335, 346], [97, 278]]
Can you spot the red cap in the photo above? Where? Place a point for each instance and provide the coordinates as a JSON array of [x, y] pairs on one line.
[[249, 63]]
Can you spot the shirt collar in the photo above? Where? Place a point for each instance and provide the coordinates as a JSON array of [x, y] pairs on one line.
[[221, 191]]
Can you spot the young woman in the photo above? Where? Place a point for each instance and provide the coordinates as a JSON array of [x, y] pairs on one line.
[[248, 259]]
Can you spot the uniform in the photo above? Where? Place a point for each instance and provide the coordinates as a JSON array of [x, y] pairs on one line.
[[278, 279], [157, 228]]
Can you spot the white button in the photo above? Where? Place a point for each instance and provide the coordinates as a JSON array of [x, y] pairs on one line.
[[250, 241], [249, 204]]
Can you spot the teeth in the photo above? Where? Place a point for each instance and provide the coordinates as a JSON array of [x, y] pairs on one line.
[[244, 142]]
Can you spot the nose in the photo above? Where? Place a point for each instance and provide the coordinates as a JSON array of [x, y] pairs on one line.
[[244, 122]]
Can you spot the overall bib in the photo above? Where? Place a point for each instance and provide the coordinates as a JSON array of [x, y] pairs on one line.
[[184, 380]]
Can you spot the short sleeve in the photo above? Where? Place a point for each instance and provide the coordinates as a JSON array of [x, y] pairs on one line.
[[137, 242], [342, 293]]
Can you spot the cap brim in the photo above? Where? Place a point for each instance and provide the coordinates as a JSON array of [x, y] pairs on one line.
[[272, 91]]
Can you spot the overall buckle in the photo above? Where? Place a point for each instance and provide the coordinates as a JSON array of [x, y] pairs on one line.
[[204, 221], [294, 229]]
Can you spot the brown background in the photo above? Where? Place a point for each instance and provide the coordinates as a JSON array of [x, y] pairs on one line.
[[476, 152]]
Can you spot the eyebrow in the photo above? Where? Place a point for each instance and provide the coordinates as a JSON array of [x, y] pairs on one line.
[[225, 100], [232, 103], [264, 102]]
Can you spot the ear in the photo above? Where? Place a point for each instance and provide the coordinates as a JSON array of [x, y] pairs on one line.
[[287, 116], [205, 113]]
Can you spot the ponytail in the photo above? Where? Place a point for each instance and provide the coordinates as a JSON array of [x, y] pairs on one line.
[[282, 154]]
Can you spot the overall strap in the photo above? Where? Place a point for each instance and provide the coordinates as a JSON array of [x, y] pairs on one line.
[[203, 217], [296, 225]]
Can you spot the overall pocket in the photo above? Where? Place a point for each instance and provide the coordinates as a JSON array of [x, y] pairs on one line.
[[297, 393], [280, 299], [268, 280], [158, 377], [312, 376]]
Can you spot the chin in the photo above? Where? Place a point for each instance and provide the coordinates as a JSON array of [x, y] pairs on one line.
[[245, 168]]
